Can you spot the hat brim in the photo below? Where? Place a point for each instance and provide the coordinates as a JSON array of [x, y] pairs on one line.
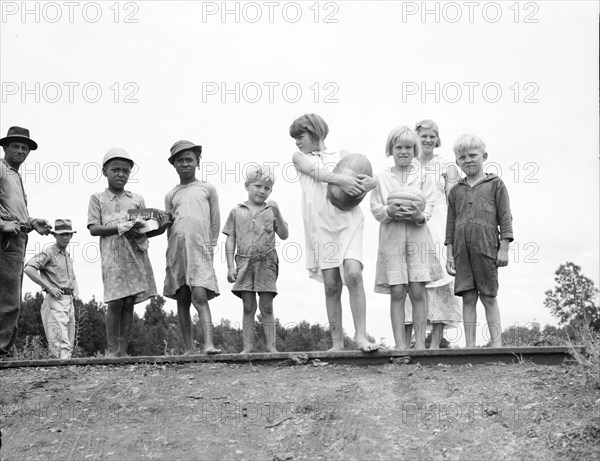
[[64, 231], [193, 148], [119, 158], [17, 138]]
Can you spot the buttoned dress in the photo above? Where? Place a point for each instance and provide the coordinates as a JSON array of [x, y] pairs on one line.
[[406, 252], [126, 268], [191, 238]]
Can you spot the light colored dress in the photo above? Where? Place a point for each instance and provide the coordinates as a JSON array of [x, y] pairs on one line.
[[406, 252], [331, 235], [196, 221], [126, 269], [443, 305]]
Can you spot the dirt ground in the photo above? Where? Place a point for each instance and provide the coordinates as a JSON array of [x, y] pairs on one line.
[[313, 411]]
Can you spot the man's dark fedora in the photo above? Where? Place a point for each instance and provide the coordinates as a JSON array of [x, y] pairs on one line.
[[18, 134]]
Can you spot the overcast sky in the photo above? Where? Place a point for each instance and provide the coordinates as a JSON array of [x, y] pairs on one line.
[[85, 77]]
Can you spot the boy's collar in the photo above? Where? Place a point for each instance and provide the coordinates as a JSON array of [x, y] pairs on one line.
[[112, 195], [486, 177], [263, 207]]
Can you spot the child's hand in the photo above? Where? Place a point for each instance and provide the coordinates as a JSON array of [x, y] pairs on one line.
[[450, 267], [502, 258], [411, 213], [231, 275], [125, 227], [163, 218], [393, 210], [368, 182], [134, 231], [350, 184]]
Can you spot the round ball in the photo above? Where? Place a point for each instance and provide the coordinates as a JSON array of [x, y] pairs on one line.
[[351, 164]]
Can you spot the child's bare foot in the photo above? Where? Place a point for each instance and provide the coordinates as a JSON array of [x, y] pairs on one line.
[[272, 350], [190, 352], [336, 348], [211, 350], [366, 346], [419, 347], [112, 355], [246, 351]]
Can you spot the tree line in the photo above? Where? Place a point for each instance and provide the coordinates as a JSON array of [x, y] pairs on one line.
[[157, 332], [573, 300]]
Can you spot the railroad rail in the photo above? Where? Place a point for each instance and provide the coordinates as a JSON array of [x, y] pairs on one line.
[[543, 355]]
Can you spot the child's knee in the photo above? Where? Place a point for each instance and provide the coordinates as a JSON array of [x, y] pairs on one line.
[[333, 288], [417, 292], [487, 301], [250, 308], [199, 298], [266, 308], [398, 292], [354, 278], [470, 296]]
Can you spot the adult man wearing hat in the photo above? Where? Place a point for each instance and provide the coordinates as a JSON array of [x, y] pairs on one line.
[[15, 223], [52, 269]]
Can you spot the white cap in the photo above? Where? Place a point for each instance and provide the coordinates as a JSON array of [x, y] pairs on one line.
[[116, 152]]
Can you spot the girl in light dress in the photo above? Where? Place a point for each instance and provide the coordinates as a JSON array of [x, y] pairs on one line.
[[406, 259], [333, 237], [443, 307]]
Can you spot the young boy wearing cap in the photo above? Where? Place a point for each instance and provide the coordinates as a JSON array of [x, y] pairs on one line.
[[126, 271], [52, 269]]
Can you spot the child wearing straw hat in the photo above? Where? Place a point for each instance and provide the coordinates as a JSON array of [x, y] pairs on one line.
[[52, 269]]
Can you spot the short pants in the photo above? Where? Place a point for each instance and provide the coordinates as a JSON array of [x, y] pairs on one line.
[[475, 271], [256, 274]]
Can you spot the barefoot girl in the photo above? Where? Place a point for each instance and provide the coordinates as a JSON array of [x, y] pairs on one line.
[[190, 277], [126, 270], [333, 237], [443, 307], [406, 259]]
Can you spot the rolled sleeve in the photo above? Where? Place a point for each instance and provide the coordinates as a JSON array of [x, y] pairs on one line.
[[39, 261]]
